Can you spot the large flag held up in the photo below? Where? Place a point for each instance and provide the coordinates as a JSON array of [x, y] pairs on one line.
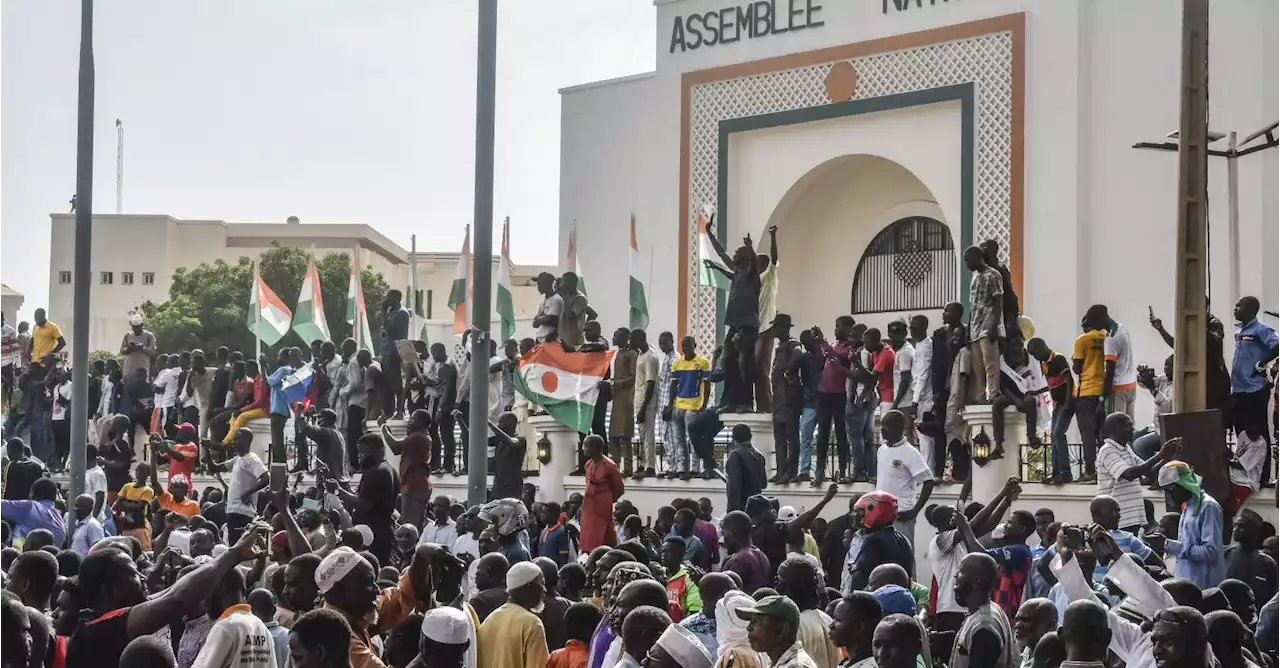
[[639, 304], [506, 307], [707, 275], [268, 316], [459, 292], [565, 384], [357, 317], [308, 319]]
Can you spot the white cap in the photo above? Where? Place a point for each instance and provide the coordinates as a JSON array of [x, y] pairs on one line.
[[787, 513], [448, 626], [522, 574], [335, 566], [366, 534], [135, 319], [684, 647]]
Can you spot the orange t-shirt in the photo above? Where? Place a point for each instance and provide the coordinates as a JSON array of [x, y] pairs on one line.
[[185, 507], [191, 454]]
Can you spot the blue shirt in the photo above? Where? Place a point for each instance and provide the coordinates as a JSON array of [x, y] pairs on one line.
[[1037, 587], [27, 515], [692, 546], [553, 543], [1254, 342], [1127, 542], [88, 531], [515, 551], [394, 328], [279, 404], [1198, 550]]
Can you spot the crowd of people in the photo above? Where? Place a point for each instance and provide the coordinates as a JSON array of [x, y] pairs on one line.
[[346, 560]]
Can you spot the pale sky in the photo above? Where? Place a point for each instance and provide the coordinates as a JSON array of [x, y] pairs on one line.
[[330, 110]]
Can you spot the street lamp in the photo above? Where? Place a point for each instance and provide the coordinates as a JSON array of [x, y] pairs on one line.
[[1270, 138]]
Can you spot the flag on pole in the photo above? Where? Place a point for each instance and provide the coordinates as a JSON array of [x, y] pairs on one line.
[[458, 293], [308, 320], [357, 317], [268, 316], [639, 305], [565, 384], [418, 311], [296, 385], [506, 308], [707, 275], [571, 258]]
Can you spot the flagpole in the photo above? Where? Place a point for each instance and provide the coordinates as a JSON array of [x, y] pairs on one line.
[[413, 285], [257, 315], [482, 255]]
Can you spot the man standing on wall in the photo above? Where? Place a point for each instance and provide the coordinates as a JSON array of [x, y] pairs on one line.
[[1088, 362], [395, 327], [667, 348], [768, 310], [788, 400], [1120, 386], [646, 387], [986, 327], [742, 313]]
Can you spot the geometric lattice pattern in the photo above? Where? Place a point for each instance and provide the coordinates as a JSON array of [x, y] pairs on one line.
[[985, 60]]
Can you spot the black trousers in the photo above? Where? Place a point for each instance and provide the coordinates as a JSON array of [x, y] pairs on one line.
[[355, 429], [61, 441], [1087, 421], [278, 454], [391, 366], [830, 407], [235, 526], [444, 427], [786, 444]]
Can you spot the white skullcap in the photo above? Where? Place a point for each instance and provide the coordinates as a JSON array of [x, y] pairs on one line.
[[684, 647], [787, 513], [449, 626], [522, 574], [366, 534], [135, 319], [335, 566], [219, 550]]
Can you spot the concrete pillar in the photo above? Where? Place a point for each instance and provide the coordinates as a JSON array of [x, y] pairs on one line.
[[990, 478], [564, 448], [761, 425]]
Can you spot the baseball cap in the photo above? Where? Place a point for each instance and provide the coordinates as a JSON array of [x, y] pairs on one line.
[[779, 607]]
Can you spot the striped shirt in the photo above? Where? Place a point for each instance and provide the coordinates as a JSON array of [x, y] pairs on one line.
[[664, 380], [990, 618], [1113, 459]]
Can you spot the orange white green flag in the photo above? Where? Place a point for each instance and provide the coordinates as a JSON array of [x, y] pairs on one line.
[[268, 316], [564, 384]]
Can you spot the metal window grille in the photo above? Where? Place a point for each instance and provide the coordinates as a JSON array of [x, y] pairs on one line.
[[126, 278], [148, 278], [910, 265]]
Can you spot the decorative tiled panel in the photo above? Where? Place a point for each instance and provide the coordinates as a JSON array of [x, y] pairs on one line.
[[986, 61]]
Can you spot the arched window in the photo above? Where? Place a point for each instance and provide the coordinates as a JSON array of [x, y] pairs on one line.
[[909, 266]]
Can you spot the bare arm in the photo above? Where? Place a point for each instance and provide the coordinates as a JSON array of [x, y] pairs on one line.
[[715, 244], [156, 613], [298, 543], [803, 521], [502, 435], [395, 444], [773, 245]]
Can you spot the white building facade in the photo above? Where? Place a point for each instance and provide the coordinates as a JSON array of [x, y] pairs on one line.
[[883, 137]]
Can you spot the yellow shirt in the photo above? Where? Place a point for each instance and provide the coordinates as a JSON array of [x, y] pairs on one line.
[[1089, 349], [43, 339], [512, 637]]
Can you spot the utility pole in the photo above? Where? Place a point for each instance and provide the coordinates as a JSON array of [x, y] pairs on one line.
[[84, 238], [482, 255], [1193, 227], [119, 167]]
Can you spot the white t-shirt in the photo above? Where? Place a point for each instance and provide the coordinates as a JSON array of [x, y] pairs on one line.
[[245, 471], [443, 535], [104, 404], [1118, 348], [237, 640], [946, 551], [902, 361], [61, 398], [553, 305], [466, 544], [167, 387], [768, 294], [95, 480], [900, 470]]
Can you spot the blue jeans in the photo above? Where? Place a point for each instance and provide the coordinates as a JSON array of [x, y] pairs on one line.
[[1147, 444], [862, 445], [1061, 420], [41, 431], [808, 422]]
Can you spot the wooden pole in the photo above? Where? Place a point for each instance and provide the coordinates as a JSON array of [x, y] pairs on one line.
[[1189, 353]]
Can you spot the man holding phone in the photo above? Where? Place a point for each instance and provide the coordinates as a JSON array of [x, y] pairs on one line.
[[248, 477]]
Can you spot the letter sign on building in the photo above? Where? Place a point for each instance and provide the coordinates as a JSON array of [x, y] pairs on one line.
[[754, 19]]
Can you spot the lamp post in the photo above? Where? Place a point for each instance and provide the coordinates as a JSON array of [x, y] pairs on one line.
[[84, 238], [1265, 138]]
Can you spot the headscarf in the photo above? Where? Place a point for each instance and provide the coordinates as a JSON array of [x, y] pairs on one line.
[[623, 574], [684, 647], [1179, 473], [879, 509], [731, 630], [505, 516]]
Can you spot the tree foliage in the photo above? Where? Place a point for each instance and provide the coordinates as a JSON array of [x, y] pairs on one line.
[[208, 304]]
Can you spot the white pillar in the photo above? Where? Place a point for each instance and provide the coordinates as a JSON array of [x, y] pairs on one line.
[[990, 478], [761, 425], [564, 456]]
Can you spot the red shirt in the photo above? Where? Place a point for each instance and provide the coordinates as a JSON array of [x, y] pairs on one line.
[[190, 453], [882, 363], [261, 394]]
